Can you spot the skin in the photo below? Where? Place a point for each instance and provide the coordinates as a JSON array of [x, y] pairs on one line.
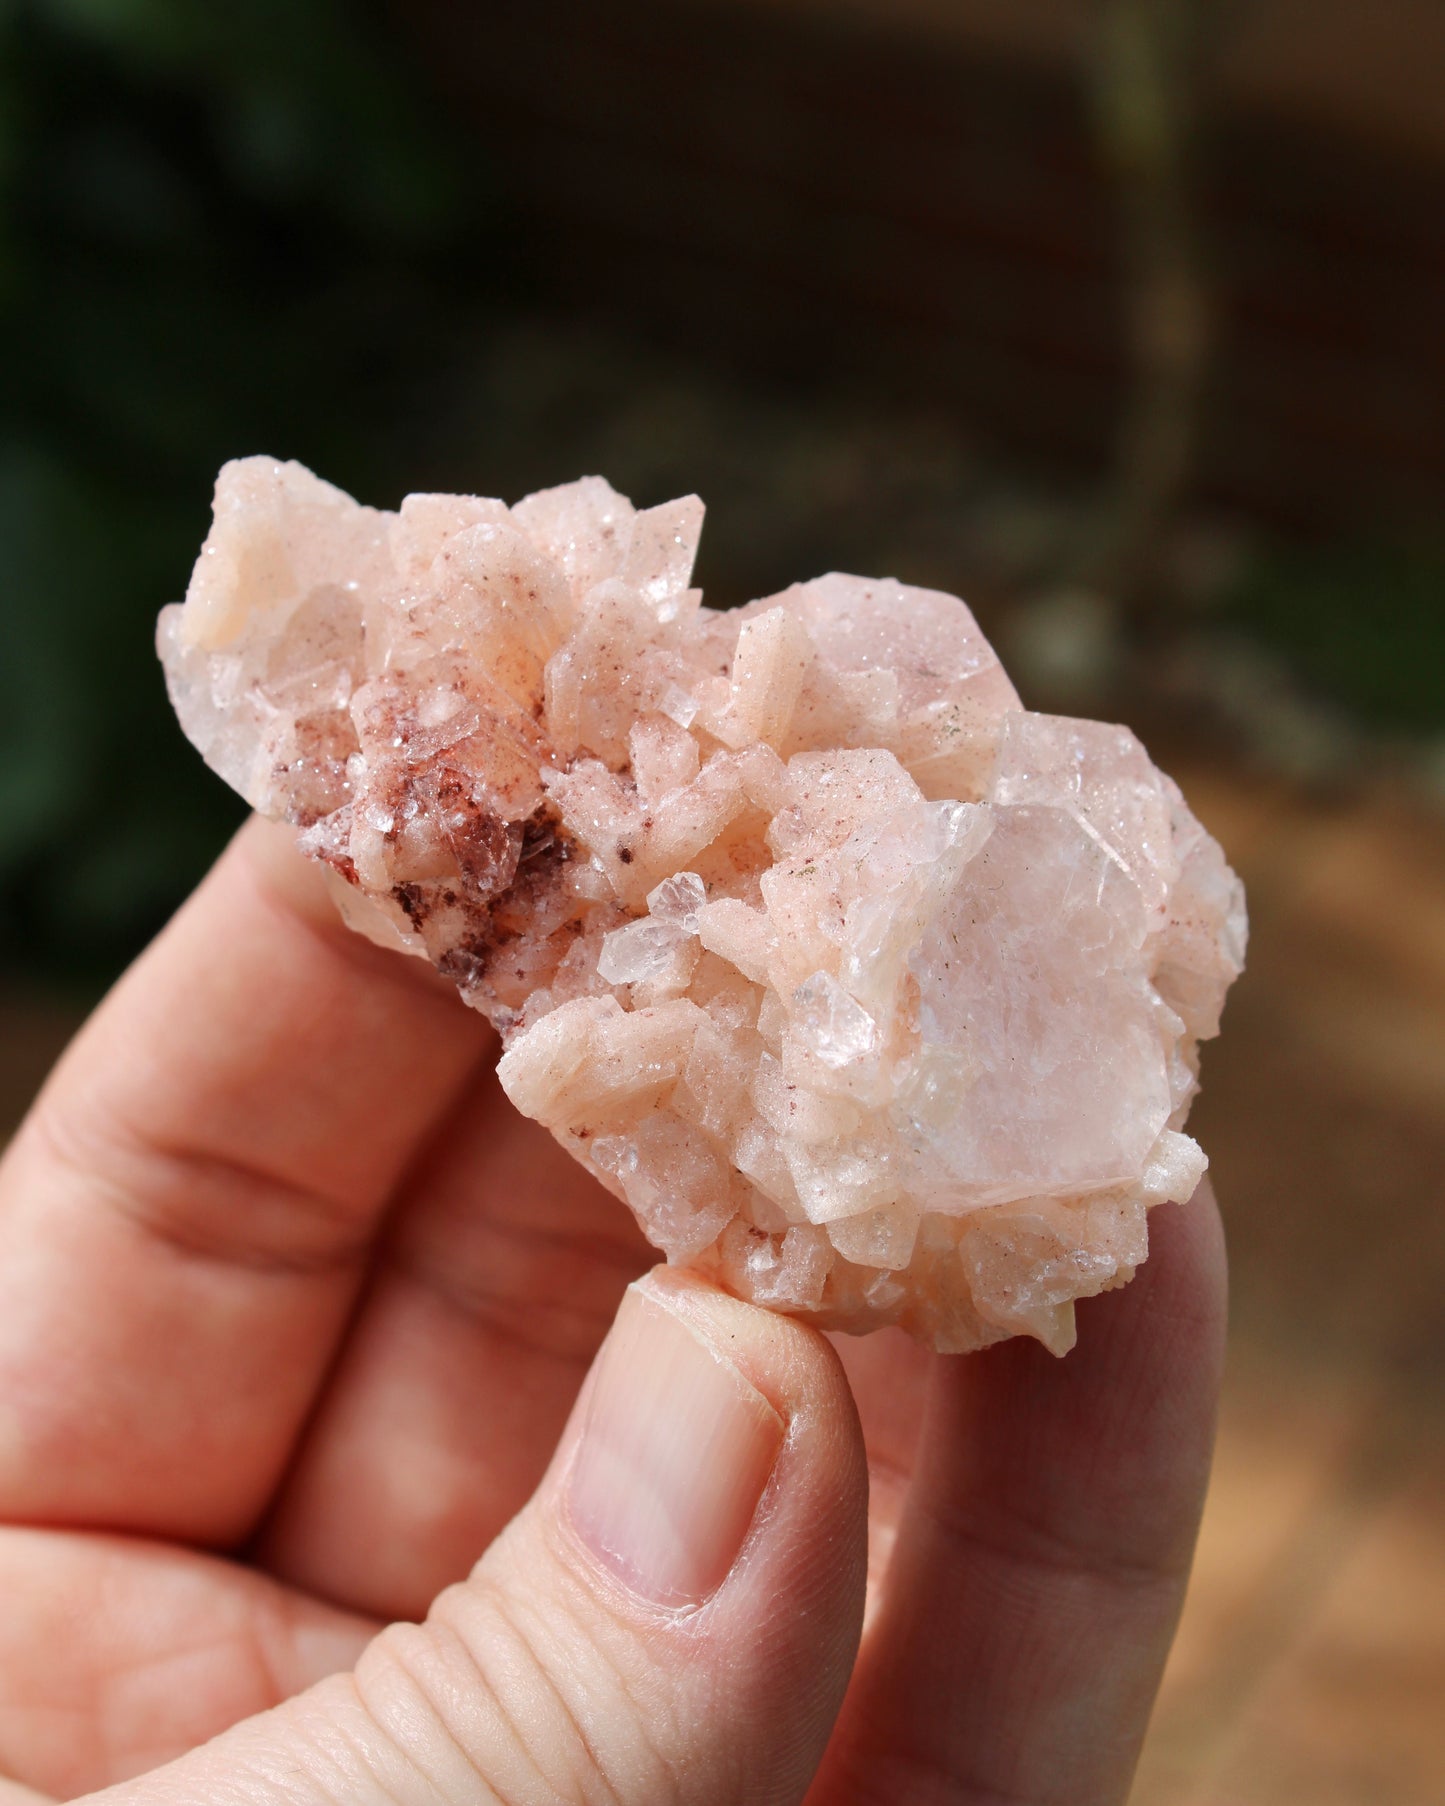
[[294, 1311]]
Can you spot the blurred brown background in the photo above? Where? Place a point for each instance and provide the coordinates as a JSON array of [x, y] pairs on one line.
[[1121, 318]]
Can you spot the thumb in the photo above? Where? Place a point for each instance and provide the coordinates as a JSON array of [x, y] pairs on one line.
[[673, 1617]]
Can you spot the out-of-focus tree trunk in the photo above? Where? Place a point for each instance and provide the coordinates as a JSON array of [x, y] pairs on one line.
[[1148, 71]]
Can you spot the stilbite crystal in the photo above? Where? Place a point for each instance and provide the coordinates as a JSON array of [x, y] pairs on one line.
[[872, 993]]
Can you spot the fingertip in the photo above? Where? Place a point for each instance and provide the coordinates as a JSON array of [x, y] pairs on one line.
[[1107, 1449], [1042, 1558], [674, 1451], [267, 857], [1188, 1250], [694, 1391], [792, 1364], [268, 851], [1157, 1345], [707, 1512]]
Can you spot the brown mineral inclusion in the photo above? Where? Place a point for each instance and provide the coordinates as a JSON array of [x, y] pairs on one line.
[[876, 995]]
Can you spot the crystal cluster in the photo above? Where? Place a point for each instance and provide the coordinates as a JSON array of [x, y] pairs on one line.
[[874, 994]]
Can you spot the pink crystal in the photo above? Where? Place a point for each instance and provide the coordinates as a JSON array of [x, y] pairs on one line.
[[873, 994]]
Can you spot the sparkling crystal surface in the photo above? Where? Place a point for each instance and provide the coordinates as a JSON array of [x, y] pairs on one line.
[[871, 992]]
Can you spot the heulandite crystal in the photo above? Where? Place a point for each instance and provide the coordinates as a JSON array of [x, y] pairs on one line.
[[873, 993]]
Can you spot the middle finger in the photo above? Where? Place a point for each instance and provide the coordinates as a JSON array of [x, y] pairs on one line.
[[186, 1215], [502, 1273], [889, 1373]]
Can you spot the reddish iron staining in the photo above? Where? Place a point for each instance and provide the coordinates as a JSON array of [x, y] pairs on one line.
[[467, 934], [341, 864], [467, 963], [539, 834]]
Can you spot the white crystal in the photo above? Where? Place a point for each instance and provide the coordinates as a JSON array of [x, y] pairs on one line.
[[830, 1023], [678, 900]]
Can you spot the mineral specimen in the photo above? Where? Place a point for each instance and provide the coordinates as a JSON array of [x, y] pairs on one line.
[[874, 994]]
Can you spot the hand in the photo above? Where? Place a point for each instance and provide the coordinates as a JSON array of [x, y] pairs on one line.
[[294, 1310]]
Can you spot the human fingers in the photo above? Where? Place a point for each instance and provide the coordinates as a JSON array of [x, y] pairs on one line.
[[118, 1653], [671, 1619], [888, 1373], [500, 1274], [186, 1214], [1042, 1558], [13, 1794]]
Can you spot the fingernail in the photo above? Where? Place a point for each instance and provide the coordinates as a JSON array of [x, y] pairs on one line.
[[675, 1451]]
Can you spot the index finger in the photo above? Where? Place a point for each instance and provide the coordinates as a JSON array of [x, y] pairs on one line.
[[186, 1214]]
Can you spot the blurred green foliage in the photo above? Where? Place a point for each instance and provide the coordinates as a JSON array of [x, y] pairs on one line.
[[214, 221], [1361, 623]]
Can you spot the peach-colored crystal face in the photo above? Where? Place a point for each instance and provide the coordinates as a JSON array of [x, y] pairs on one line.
[[873, 994]]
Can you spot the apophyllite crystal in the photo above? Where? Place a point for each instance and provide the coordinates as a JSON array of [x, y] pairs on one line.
[[873, 993]]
